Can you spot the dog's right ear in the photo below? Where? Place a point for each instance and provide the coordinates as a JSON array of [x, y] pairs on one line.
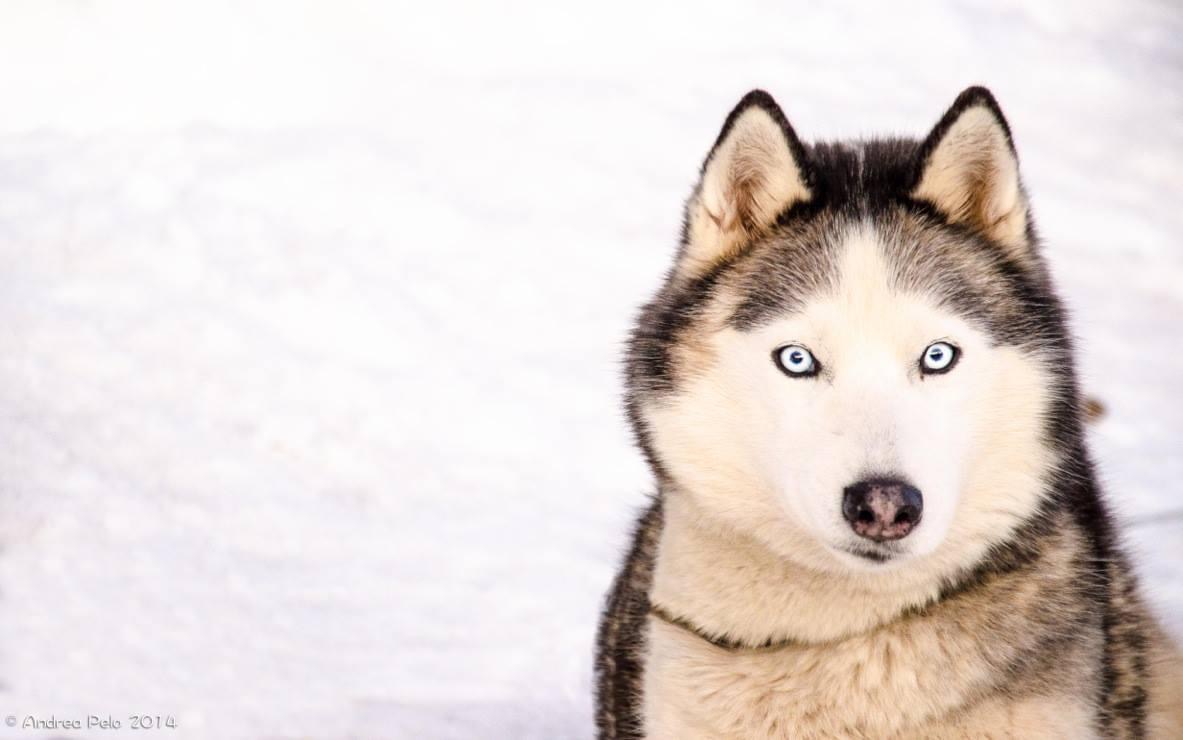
[[755, 172]]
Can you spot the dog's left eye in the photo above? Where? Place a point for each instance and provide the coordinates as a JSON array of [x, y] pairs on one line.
[[795, 361], [938, 357]]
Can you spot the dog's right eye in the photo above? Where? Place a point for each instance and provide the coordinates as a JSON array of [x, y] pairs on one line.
[[938, 358], [795, 361]]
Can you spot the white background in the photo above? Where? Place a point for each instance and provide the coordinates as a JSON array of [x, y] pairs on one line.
[[311, 317]]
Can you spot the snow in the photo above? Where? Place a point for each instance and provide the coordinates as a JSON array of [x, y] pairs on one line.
[[312, 317]]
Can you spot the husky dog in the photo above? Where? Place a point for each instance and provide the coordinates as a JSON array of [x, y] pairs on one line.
[[877, 516]]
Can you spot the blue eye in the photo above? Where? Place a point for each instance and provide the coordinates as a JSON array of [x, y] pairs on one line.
[[795, 361], [938, 357]]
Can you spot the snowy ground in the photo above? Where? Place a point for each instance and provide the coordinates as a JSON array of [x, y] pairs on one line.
[[311, 318]]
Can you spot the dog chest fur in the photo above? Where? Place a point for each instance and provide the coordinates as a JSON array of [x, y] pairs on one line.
[[964, 664]]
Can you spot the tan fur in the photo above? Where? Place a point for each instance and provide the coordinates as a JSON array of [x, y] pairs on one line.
[[1166, 688], [1056, 717], [738, 588], [750, 178], [973, 176], [1094, 410], [906, 677], [932, 672]]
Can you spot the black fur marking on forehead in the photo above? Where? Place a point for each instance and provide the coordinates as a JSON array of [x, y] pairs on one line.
[[864, 177], [868, 184]]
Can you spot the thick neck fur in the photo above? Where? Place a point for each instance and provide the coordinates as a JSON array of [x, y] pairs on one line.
[[730, 586], [1014, 656]]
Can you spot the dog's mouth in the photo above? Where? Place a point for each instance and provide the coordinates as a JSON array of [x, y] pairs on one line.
[[872, 553]]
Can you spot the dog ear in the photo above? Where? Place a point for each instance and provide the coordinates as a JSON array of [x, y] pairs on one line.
[[754, 173], [968, 170]]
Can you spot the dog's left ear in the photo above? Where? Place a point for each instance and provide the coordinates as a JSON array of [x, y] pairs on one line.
[[969, 171]]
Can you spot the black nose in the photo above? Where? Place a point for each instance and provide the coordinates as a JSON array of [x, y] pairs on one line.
[[881, 509]]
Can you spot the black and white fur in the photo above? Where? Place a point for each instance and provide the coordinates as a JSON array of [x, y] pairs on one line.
[[746, 607]]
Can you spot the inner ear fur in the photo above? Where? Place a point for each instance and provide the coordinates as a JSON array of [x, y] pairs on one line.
[[754, 173], [969, 171]]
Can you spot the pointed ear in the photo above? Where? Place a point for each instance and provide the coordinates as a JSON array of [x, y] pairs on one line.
[[969, 171], [753, 174]]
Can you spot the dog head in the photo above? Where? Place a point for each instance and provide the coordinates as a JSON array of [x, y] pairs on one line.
[[857, 357]]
